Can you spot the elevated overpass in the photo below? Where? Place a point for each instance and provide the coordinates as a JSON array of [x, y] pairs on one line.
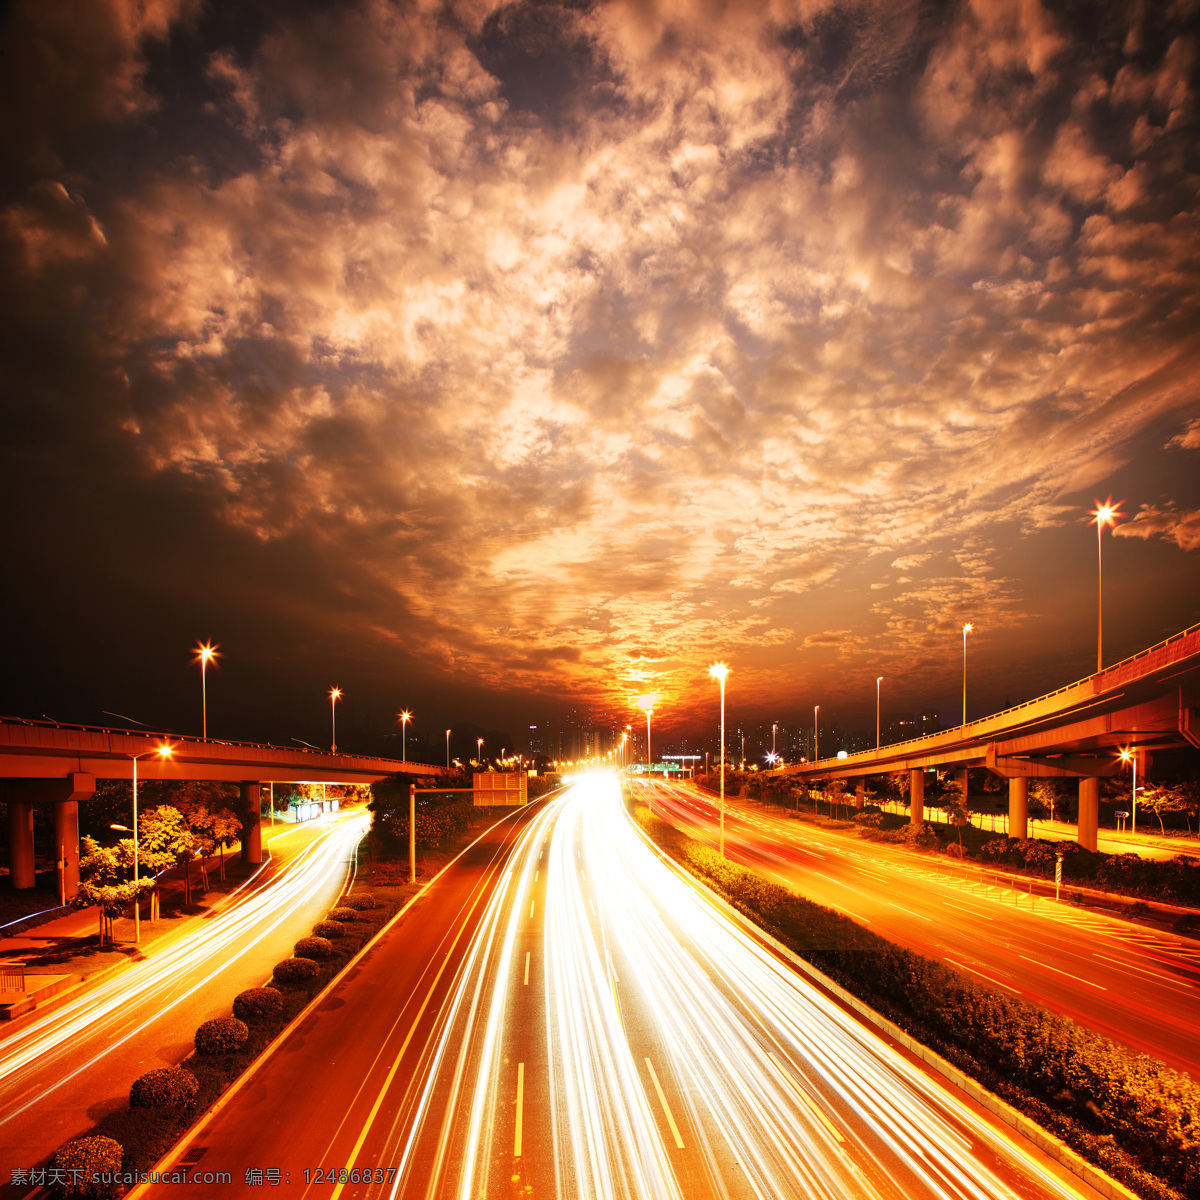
[[42, 762], [1144, 703]]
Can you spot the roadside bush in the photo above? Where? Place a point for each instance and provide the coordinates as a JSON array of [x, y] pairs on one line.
[[294, 972], [258, 1004], [954, 850], [1187, 923], [921, 837], [221, 1036], [869, 820], [85, 1157], [342, 914], [331, 930], [313, 947], [168, 1087], [363, 902]]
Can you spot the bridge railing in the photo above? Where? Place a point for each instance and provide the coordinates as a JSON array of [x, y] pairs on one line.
[[964, 730], [177, 738]]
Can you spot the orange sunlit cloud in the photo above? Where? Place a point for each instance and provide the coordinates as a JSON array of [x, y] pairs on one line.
[[576, 348]]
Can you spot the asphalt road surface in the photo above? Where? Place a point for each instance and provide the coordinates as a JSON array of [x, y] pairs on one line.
[[62, 1071], [565, 1014], [1131, 983]]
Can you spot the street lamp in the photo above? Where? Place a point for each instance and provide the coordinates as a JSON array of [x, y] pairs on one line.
[[966, 629], [1131, 758], [447, 749], [335, 694], [816, 732], [773, 729], [718, 671], [646, 704], [205, 652], [404, 719], [1107, 513], [479, 751], [163, 750], [878, 681]]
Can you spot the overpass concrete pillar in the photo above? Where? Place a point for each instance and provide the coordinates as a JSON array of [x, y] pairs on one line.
[[66, 847], [1018, 807], [916, 797], [860, 794], [963, 778], [20, 844], [1089, 811], [252, 830]]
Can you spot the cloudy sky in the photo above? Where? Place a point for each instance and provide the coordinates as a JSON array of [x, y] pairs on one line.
[[475, 356]]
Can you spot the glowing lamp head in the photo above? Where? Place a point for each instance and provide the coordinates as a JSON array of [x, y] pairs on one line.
[[405, 717], [968, 627], [1126, 755], [205, 652], [647, 703], [718, 671], [335, 693], [1106, 513], [165, 750]]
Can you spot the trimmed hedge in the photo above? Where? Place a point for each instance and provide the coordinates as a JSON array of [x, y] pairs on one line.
[[313, 947], [363, 902], [85, 1157], [342, 914], [294, 972], [1133, 1116], [330, 930], [168, 1087], [258, 1004], [224, 1035]]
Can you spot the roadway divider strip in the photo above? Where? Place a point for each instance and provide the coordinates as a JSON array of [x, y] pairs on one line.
[[165, 1163]]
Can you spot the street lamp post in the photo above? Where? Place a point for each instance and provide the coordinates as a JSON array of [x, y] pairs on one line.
[[966, 629], [335, 694], [165, 750], [479, 750], [878, 681], [205, 653], [816, 733], [447, 749], [1103, 514], [773, 729], [719, 671], [404, 719], [1130, 757]]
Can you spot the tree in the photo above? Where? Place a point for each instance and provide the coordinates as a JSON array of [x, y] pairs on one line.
[[1162, 798], [102, 882], [835, 793], [165, 832], [225, 829], [957, 806]]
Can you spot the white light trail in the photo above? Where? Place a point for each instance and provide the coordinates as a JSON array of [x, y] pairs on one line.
[[705, 1063], [157, 979]]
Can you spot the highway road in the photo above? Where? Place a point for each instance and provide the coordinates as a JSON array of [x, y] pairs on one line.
[[565, 1014], [1134, 984], [61, 1071]]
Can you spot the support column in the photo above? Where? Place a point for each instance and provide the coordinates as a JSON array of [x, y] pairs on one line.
[[20, 844], [1089, 811], [1018, 807], [963, 778], [916, 797], [66, 847], [252, 830], [860, 794]]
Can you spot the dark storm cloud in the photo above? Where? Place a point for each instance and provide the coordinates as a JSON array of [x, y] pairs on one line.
[[561, 332]]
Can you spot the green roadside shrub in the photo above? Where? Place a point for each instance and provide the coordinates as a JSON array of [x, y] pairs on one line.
[[313, 947], [869, 820], [168, 1087], [258, 1004], [342, 914], [84, 1157], [224, 1035], [294, 972], [363, 902], [922, 836], [330, 930]]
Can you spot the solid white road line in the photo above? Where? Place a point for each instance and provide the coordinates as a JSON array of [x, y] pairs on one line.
[[520, 1109], [666, 1110]]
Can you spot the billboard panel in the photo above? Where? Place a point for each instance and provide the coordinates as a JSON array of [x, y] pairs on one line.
[[501, 787]]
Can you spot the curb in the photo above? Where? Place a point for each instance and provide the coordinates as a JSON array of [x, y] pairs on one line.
[[1058, 1150]]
